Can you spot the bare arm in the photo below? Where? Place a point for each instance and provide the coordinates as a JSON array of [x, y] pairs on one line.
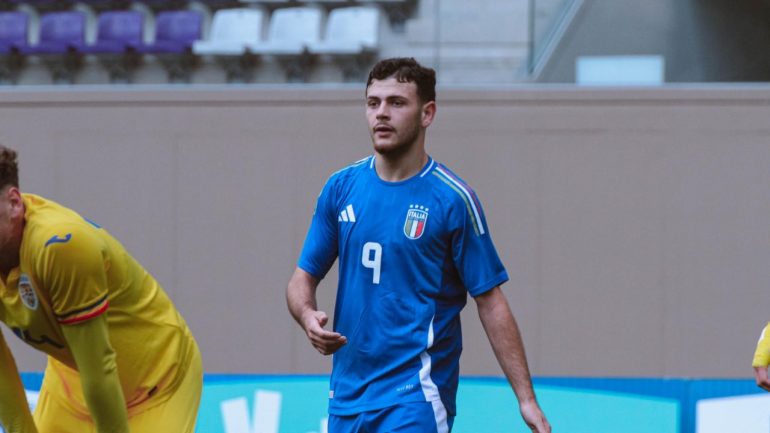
[[301, 299], [14, 409], [505, 338]]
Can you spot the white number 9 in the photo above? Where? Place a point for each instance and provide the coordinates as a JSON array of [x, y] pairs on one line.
[[370, 262]]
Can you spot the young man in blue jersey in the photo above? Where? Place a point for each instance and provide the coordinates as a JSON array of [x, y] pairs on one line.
[[412, 242]]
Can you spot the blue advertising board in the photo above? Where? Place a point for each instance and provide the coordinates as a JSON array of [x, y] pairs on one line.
[[297, 404]]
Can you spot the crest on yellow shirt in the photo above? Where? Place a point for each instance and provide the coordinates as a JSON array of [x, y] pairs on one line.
[[27, 293]]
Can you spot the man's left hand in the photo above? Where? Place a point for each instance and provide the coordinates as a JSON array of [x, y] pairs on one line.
[[534, 417]]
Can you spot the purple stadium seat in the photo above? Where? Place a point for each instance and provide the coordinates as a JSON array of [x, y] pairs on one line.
[[60, 33], [13, 38], [119, 38], [13, 31], [175, 32], [117, 32]]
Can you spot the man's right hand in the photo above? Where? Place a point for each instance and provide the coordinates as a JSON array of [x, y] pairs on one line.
[[760, 374], [326, 342]]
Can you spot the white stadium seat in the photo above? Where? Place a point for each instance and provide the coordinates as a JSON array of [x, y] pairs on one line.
[[350, 31], [232, 30], [291, 30]]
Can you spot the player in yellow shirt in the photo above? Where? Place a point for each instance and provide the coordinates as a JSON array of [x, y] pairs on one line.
[[120, 356], [762, 359]]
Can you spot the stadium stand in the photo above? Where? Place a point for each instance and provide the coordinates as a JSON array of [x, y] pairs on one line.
[[119, 35], [13, 38], [232, 31], [175, 33], [161, 41], [291, 31], [351, 39]]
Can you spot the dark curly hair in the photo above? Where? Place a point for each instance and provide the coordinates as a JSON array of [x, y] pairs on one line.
[[406, 70], [9, 168]]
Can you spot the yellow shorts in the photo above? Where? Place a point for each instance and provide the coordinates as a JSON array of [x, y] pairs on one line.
[[177, 414]]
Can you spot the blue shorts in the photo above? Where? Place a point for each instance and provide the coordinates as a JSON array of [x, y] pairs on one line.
[[417, 417]]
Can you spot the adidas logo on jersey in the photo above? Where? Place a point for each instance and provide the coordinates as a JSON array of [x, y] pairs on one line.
[[347, 215]]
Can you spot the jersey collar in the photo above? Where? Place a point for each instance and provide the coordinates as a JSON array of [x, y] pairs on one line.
[[430, 165]]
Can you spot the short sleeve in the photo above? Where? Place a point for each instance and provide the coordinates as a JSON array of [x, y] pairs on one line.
[[473, 253], [320, 249], [74, 269], [762, 353]]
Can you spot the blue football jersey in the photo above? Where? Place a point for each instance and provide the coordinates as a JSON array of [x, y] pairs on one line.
[[409, 252]]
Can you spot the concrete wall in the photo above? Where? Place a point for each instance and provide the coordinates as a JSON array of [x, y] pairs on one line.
[[634, 223]]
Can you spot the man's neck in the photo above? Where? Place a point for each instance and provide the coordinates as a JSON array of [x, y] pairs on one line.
[[7, 264], [397, 168], [9, 260]]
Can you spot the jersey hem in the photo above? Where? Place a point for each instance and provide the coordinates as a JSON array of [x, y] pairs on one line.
[[134, 408], [166, 391], [353, 410]]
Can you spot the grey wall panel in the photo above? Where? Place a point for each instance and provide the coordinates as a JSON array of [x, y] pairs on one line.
[[633, 222]]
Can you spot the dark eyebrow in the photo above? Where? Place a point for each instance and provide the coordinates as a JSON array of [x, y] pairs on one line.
[[388, 98]]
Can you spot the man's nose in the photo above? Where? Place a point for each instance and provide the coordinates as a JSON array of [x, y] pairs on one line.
[[383, 111]]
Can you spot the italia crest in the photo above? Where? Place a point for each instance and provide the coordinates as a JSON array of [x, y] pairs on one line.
[[27, 293], [416, 217]]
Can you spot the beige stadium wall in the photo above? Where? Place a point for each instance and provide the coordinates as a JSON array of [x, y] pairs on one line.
[[635, 224]]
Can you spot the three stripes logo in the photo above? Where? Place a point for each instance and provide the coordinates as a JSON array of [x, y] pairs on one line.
[[347, 215]]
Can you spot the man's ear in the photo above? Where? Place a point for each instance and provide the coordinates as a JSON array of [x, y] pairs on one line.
[[428, 113], [13, 196]]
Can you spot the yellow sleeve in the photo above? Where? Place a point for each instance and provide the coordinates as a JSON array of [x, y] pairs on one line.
[[14, 409], [90, 345], [75, 270], [762, 354]]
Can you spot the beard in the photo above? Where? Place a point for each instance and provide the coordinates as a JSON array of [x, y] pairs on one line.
[[405, 140]]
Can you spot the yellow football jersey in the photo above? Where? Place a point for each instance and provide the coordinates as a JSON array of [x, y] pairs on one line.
[[72, 270], [762, 353]]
